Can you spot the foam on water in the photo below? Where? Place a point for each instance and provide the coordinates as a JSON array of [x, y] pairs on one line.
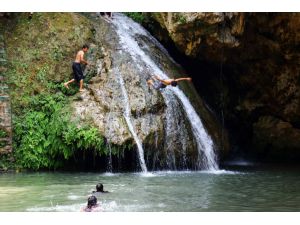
[[220, 172], [186, 172], [73, 197], [109, 174], [147, 174], [109, 206], [58, 208]]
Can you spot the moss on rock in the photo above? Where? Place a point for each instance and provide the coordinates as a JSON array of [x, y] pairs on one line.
[[40, 51]]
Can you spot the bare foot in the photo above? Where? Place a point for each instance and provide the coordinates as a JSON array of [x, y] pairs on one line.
[[66, 85], [149, 82], [81, 90]]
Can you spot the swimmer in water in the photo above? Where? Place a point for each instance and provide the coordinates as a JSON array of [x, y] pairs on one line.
[[99, 189], [92, 205]]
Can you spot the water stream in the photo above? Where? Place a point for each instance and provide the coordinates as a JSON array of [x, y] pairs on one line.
[[127, 116], [109, 166]]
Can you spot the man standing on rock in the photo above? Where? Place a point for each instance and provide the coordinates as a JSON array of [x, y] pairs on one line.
[[77, 71]]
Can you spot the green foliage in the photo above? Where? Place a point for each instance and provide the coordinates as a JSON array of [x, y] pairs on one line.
[[45, 136], [181, 19], [6, 162], [25, 84], [36, 54], [39, 53], [3, 134], [42, 74], [57, 54], [3, 144], [136, 16]]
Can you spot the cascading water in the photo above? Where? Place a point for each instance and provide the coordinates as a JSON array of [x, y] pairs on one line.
[[109, 164], [180, 133], [175, 132], [127, 114], [207, 160], [127, 29], [170, 122], [108, 134]]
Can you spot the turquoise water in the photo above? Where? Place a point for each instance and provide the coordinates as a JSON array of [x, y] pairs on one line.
[[224, 190]]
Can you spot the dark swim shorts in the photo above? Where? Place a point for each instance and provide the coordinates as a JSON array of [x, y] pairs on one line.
[[159, 85], [77, 71]]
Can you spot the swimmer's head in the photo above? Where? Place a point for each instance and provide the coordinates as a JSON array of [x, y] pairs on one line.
[[174, 83], [92, 201], [99, 187]]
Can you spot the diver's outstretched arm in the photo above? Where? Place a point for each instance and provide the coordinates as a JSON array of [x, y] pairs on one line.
[[183, 78]]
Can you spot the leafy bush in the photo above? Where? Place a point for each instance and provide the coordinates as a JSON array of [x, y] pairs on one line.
[[39, 52], [57, 54], [6, 162], [45, 136], [181, 19], [136, 16], [3, 134]]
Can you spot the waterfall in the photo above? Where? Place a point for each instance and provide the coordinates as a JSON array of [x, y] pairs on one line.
[[109, 163], [207, 160], [108, 134], [127, 115], [170, 122], [127, 31], [174, 119]]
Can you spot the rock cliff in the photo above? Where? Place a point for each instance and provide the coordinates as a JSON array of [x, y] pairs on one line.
[[104, 102], [117, 100], [257, 55]]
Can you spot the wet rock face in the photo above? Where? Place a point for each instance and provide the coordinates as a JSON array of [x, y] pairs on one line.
[[103, 102], [164, 131], [260, 54]]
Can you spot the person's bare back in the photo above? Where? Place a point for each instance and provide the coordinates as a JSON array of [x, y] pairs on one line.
[[76, 67], [79, 56]]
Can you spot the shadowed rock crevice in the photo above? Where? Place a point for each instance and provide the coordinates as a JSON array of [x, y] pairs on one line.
[[258, 54]]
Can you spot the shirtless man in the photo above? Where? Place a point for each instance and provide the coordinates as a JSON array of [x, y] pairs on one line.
[[164, 83], [77, 71]]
